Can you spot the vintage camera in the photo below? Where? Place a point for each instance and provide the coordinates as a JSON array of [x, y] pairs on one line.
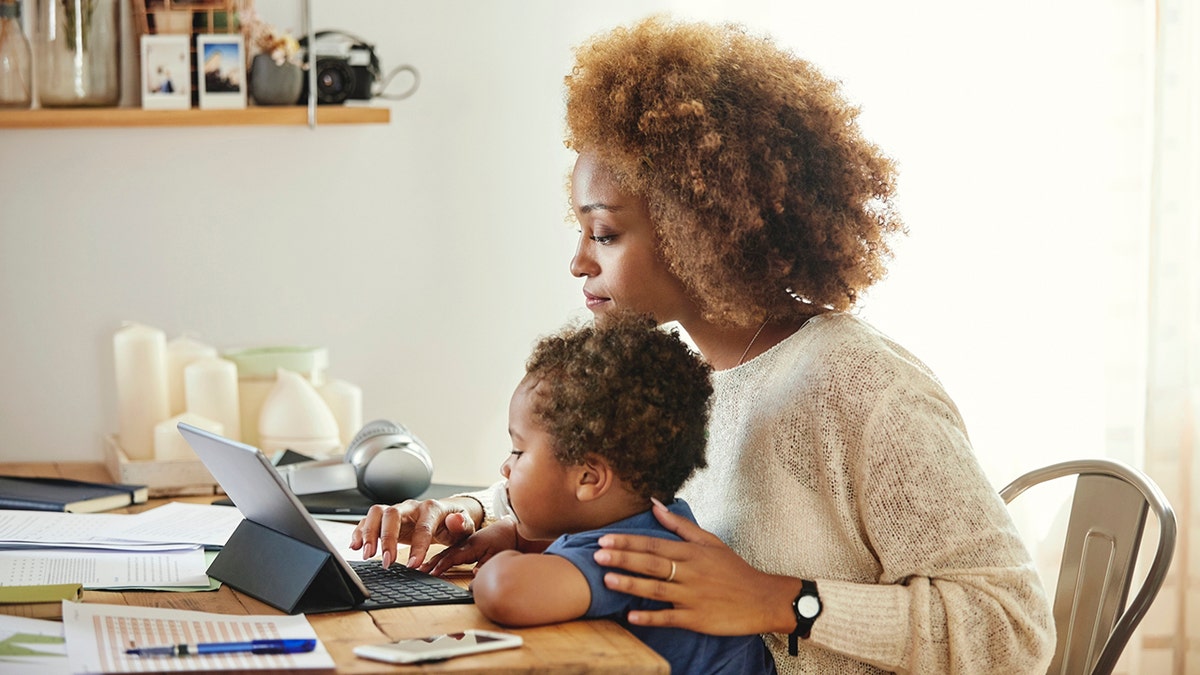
[[346, 68]]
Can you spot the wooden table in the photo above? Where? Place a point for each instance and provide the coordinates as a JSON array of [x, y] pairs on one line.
[[574, 647]]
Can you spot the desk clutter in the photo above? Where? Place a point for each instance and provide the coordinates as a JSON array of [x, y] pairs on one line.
[[275, 398], [100, 638]]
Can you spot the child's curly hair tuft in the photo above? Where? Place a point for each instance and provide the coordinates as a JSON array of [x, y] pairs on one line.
[[752, 163], [628, 391]]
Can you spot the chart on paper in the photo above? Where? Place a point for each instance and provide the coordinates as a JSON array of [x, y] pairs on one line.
[[98, 635]]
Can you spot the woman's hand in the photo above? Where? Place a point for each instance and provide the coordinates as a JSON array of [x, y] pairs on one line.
[[712, 589], [477, 548], [416, 523]]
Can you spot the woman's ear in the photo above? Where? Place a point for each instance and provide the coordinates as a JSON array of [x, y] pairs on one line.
[[594, 479]]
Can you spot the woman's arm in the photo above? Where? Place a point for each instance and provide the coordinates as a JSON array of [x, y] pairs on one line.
[[529, 589], [417, 523], [713, 590], [956, 591]]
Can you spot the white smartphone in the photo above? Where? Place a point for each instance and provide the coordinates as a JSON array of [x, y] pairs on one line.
[[437, 647]]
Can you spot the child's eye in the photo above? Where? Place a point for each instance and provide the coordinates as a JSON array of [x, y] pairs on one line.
[[518, 453]]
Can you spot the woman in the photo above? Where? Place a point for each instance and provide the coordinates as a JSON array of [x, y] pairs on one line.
[[722, 183]]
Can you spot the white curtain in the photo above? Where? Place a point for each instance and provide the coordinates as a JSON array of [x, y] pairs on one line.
[[1170, 638]]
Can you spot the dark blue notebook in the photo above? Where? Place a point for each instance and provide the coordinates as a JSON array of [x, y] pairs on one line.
[[63, 494]]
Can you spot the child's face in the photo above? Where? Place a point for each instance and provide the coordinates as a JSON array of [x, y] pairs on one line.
[[541, 489]]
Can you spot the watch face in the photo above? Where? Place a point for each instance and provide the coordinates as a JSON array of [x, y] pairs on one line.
[[808, 606]]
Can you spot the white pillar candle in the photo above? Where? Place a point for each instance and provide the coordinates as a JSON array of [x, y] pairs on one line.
[[211, 390], [345, 402], [169, 444], [180, 352], [141, 366]]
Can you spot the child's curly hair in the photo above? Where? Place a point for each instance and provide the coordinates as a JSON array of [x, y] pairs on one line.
[[756, 174], [629, 392]]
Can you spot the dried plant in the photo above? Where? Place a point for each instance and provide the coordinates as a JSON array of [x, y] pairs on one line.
[[263, 38]]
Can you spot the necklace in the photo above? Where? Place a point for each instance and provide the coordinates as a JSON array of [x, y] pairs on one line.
[[756, 334]]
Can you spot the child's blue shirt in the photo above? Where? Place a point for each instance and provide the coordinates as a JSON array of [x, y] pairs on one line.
[[685, 650]]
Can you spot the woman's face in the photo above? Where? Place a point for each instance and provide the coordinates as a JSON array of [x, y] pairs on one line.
[[617, 255], [541, 489]]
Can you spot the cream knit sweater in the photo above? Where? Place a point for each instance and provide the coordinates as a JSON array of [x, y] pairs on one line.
[[837, 456]]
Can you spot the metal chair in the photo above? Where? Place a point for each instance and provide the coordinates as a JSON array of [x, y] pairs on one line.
[[1108, 516]]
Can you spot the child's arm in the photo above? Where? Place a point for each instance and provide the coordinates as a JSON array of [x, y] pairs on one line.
[[528, 589], [501, 535]]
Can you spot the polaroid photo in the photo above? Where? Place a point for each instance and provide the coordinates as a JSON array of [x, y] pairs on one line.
[[221, 71], [166, 72]]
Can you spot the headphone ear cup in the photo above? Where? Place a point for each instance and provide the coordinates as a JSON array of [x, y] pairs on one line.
[[395, 474], [358, 448], [391, 464]]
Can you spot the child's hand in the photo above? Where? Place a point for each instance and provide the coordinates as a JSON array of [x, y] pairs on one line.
[[478, 548]]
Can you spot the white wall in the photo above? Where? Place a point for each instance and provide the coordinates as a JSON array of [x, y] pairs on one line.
[[429, 253]]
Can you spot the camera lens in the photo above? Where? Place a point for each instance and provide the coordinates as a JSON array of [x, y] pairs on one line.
[[335, 80]]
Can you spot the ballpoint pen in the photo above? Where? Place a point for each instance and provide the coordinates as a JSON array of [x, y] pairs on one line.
[[251, 647]]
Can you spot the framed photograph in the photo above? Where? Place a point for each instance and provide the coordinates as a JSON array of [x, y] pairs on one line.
[[166, 72], [221, 71]]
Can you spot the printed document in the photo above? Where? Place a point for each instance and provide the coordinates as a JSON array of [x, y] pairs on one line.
[[98, 635], [104, 569], [165, 527]]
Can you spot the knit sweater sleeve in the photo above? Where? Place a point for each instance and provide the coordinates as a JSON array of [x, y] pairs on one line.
[[957, 591], [493, 499]]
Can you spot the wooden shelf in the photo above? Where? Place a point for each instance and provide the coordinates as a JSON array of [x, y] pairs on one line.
[[61, 118]]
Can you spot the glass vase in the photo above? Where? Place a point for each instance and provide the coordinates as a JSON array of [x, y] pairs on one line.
[[16, 85], [78, 48]]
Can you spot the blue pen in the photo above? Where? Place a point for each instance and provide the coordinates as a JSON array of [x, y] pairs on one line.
[[251, 647]]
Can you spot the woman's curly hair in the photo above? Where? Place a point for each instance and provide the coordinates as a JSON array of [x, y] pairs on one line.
[[752, 163], [627, 391]]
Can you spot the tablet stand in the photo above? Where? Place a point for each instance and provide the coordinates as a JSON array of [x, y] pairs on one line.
[[287, 574]]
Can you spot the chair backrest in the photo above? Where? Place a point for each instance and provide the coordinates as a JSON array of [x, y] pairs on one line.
[[1108, 515]]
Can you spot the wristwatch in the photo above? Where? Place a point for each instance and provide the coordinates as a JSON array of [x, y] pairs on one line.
[[807, 607]]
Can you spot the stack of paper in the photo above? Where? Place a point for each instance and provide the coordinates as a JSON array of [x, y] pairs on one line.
[[163, 548]]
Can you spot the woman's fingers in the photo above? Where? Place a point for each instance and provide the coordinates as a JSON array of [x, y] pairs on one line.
[[656, 565], [366, 532], [391, 521], [426, 524], [684, 528]]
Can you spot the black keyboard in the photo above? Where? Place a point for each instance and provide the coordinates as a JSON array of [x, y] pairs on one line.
[[400, 586]]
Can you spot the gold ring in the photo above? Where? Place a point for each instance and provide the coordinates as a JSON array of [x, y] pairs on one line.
[[671, 576]]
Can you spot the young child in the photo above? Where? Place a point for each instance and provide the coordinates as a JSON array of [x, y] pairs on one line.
[[607, 418]]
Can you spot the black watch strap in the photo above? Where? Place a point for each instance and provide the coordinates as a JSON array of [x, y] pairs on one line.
[[807, 607]]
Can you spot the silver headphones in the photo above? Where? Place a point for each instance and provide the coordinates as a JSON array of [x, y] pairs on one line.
[[385, 462]]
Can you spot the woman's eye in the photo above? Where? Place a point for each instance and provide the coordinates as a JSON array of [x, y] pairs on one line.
[[603, 239]]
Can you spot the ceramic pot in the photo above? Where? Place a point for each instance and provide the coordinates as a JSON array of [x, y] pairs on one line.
[[274, 84]]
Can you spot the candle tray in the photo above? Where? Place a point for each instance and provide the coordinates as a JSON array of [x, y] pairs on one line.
[[176, 478]]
